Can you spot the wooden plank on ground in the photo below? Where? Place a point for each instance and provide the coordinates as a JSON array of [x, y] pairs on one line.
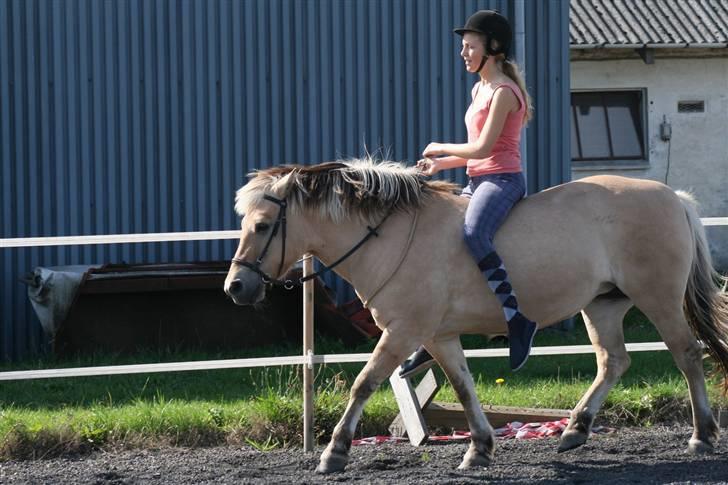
[[425, 392], [409, 409], [452, 416]]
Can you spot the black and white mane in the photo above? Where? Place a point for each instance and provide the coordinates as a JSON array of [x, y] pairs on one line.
[[342, 189]]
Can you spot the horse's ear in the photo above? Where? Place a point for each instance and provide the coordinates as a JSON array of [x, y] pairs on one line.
[[283, 185]]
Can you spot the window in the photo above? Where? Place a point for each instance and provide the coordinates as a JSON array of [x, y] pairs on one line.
[[607, 128]]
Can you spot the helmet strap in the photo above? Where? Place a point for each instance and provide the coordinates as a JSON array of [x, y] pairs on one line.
[[482, 63]]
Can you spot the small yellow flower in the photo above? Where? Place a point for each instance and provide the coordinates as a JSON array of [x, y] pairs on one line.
[[500, 381]]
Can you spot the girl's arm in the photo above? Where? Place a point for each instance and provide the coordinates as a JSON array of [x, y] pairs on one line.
[[444, 163], [430, 166], [504, 101]]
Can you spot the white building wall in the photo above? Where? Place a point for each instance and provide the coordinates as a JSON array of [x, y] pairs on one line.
[[698, 150]]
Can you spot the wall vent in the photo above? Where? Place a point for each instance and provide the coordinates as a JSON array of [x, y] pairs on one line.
[[691, 106]]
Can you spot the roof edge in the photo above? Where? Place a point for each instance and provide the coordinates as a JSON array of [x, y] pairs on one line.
[[696, 45]]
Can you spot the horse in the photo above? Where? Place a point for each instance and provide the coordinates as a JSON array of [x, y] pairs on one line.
[[598, 246]]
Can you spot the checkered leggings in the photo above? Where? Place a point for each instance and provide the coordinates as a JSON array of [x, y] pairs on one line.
[[491, 198]]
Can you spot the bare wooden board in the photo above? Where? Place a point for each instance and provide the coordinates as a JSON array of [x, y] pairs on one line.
[[425, 392], [452, 416], [410, 408]]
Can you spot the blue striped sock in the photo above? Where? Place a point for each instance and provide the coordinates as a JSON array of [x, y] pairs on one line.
[[495, 274]]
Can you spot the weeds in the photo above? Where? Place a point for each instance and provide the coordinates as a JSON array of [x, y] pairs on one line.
[[270, 444]]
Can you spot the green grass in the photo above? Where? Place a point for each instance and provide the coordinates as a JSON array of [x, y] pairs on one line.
[[262, 407]]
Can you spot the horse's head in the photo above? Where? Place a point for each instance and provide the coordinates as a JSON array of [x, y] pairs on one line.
[[267, 245]]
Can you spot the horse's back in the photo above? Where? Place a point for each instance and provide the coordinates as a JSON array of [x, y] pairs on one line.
[[566, 245], [597, 196], [606, 207]]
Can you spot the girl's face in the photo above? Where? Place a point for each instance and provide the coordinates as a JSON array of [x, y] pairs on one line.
[[473, 51]]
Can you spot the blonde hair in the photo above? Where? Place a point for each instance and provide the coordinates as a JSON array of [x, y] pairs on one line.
[[511, 70]]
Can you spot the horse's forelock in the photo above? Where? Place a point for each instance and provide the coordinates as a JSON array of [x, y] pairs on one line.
[[271, 180]]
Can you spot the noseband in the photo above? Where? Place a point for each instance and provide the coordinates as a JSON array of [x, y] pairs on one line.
[[281, 224]]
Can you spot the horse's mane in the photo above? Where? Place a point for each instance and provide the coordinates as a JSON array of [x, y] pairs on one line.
[[339, 190]]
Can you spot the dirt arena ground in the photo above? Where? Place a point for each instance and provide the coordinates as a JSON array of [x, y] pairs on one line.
[[629, 455]]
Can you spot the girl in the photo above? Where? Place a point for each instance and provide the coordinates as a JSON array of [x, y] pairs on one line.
[[500, 107]]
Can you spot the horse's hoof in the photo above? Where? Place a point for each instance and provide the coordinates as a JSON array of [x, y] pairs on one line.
[[697, 447], [473, 460], [571, 439], [332, 463]]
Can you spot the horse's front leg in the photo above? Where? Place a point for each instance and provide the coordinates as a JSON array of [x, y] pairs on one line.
[[449, 354], [393, 347]]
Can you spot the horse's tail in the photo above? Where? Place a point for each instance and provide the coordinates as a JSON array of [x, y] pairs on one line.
[[706, 300]]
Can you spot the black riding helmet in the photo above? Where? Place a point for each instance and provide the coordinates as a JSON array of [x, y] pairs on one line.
[[493, 26]]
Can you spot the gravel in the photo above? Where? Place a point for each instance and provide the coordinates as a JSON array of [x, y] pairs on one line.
[[629, 455]]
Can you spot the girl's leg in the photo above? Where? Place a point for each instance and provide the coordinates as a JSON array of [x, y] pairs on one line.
[[422, 360], [492, 199]]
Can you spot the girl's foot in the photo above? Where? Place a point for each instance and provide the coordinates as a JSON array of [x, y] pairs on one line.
[[521, 331], [418, 362]]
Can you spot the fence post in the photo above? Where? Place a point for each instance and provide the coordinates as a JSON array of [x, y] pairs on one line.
[[308, 355]]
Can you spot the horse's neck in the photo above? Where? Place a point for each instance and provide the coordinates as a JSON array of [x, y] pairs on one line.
[[375, 260], [335, 240], [370, 267]]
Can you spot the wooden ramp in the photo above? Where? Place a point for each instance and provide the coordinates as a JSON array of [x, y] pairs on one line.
[[417, 410]]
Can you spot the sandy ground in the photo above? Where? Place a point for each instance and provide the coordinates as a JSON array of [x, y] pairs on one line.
[[629, 455]]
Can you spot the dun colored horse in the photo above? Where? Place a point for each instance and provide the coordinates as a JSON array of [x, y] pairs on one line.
[[599, 245]]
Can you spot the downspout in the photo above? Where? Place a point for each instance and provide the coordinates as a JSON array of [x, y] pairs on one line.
[[520, 38]]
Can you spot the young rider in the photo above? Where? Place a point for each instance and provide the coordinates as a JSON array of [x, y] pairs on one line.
[[499, 109]]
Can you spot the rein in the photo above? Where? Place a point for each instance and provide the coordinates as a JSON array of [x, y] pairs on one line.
[[281, 223]]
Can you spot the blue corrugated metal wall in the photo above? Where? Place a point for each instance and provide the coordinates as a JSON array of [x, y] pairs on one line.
[[547, 74], [144, 116]]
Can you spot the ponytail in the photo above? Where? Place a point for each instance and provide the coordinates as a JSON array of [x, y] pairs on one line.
[[511, 70]]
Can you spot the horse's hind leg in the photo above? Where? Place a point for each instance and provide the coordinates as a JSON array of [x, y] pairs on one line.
[[449, 354], [688, 355], [393, 347], [603, 320]]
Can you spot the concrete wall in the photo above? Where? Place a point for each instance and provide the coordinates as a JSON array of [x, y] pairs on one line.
[[698, 150]]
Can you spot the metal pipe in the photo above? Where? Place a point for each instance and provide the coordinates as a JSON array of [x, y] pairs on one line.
[[520, 38]]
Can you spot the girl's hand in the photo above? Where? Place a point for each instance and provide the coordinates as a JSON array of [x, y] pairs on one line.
[[428, 166], [433, 150]]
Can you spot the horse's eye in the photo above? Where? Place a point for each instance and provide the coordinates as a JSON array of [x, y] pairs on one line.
[[261, 227]]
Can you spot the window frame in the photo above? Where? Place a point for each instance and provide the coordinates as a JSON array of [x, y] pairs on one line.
[[615, 163]]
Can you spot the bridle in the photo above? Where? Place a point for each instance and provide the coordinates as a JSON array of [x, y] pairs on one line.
[[280, 224]]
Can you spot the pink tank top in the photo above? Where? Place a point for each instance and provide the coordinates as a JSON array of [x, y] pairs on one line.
[[505, 156]]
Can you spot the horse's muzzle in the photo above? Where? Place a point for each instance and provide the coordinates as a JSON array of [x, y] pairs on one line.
[[245, 288]]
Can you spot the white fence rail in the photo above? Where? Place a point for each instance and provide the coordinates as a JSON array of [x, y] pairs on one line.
[[21, 242], [714, 221], [276, 361]]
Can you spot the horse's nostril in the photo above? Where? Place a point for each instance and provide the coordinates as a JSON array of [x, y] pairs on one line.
[[236, 286]]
